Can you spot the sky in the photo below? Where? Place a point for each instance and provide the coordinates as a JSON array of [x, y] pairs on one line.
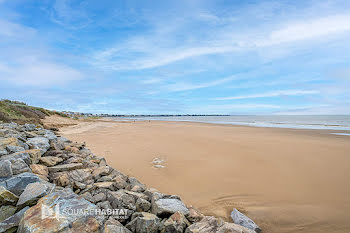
[[177, 57]]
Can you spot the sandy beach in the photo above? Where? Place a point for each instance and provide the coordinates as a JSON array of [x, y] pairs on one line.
[[287, 180]]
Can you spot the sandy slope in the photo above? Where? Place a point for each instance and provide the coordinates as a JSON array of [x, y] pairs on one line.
[[287, 180]]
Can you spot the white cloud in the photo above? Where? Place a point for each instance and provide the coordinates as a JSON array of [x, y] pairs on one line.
[[156, 48], [190, 86], [270, 94], [309, 29]]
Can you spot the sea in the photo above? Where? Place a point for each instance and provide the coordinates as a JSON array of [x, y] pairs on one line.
[[326, 122]]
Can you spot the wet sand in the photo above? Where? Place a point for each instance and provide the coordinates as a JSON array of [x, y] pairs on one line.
[[286, 180]]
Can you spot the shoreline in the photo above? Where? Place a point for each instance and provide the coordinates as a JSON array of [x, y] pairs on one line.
[[238, 176]]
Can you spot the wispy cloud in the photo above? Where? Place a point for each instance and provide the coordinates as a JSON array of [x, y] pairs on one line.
[[270, 94], [191, 86]]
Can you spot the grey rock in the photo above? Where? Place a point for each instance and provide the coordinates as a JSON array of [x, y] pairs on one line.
[[87, 196], [135, 182], [114, 226], [70, 218], [142, 205], [165, 207], [120, 200], [5, 169], [3, 151], [19, 155], [29, 127], [41, 143], [6, 211], [100, 197], [7, 197], [176, 223], [19, 166], [210, 224], [14, 149], [243, 220], [50, 135], [12, 221], [65, 167], [18, 183], [146, 223], [33, 192], [104, 205]]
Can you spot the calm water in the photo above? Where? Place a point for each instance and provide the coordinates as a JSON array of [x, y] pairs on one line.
[[330, 122]]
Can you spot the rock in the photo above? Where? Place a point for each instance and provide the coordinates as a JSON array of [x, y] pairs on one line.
[[19, 155], [114, 226], [19, 166], [176, 223], [165, 207], [234, 228], [6, 211], [105, 185], [146, 223], [211, 224], [87, 196], [64, 213], [134, 182], [99, 197], [18, 183], [50, 161], [33, 192], [120, 200], [50, 135], [29, 127], [14, 149], [101, 171], [40, 143], [119, 182], [12, 221], [7, 197], [79, 185], [65, 167], [81, 175], [61, 179], [243, 220], [136, 195], [5, 169], [104, 205], [9, 142], [39, 169], [194, 215], [34, 154], [142, 205], [3, 151]]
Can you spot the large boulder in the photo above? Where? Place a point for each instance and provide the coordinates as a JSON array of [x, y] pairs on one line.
[[19, 155], [18, 183], [210, 224], [61, 211], [114, 226], [120, 200], [12, 222], [243, 220], [10, 142], [164, 207], [176, 223], [144, 223], [19, 166], [33, 192], [14, 149], [40, 143]]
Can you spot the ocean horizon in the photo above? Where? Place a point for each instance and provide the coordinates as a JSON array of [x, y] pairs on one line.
[[324, 122]]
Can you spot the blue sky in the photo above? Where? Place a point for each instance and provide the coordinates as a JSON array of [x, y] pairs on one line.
[[177, 57]]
